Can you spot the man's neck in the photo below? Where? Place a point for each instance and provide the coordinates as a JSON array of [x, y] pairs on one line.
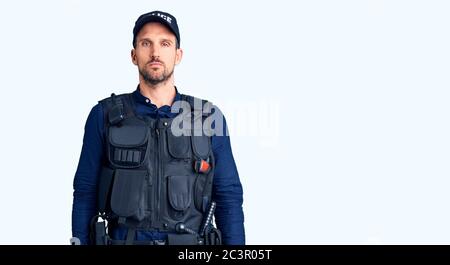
[[160, 94]]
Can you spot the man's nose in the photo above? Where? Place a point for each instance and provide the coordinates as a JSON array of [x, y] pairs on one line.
[[154, 51]]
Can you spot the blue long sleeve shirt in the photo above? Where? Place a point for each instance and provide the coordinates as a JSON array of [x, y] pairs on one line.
[[227, 188]]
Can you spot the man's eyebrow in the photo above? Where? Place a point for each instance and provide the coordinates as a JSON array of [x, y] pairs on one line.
[[164, 39], [169, 40], [147, 39]]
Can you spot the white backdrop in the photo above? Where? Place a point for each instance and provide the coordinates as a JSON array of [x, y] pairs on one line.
[[338, 109]]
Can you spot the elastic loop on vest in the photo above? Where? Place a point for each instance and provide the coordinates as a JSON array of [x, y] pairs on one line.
[[116, 114]]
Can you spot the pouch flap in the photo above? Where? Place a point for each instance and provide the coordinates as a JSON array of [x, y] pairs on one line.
[[201, 146], [128, 135], [180, 192], [178, 146]]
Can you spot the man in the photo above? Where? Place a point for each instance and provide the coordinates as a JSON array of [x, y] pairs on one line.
[[144, 166]]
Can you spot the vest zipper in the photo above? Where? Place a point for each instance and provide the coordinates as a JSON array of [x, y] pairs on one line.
[[152, 194], [158, 177]]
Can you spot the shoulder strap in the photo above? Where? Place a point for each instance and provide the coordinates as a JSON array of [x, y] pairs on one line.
[[198, 104], [116, 108]]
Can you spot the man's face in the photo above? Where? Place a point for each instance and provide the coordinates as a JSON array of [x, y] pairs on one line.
[[155, 53]]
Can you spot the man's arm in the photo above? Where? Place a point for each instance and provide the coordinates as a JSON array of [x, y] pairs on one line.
[[85, 181], [227, 191]]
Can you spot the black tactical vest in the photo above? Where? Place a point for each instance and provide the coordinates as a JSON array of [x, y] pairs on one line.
[[152, 179]]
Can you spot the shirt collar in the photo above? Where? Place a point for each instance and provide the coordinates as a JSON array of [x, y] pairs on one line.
[[148, 107], [146, 101]]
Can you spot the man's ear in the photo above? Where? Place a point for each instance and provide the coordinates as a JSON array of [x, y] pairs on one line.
[[178, 56], [133, 56]]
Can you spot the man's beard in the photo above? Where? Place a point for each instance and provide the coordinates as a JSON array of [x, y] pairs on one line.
[[152, 80]]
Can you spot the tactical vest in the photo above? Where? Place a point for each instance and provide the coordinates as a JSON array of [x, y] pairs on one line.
[[153, 179]]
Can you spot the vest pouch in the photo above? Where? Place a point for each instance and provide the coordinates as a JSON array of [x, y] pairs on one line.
[[200, 201], [127, 145], [178, 146], [201, 146], [128, 193], [104, 188], [180, 195]]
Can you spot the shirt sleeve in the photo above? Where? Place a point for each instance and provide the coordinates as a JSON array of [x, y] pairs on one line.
[[227, 188], [85, 181]]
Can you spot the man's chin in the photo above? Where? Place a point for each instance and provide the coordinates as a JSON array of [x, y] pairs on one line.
[[154, 77], [155, 80]]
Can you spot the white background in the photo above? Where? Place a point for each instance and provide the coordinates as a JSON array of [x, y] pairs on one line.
[[358, 92]]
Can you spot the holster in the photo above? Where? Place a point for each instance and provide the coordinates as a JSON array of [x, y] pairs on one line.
[[213, 237], [100, 233]]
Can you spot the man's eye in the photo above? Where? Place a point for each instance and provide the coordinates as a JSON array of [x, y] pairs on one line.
[[166, 44], [145, 43]]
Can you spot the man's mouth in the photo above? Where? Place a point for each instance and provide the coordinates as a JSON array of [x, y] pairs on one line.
[[155, 64]]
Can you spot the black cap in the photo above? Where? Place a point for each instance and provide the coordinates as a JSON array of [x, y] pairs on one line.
[[157, 16]]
